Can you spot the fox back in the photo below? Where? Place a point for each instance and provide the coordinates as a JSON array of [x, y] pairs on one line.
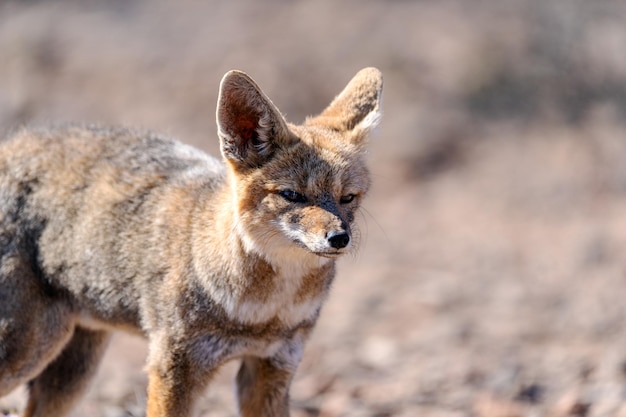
[[110, 228]]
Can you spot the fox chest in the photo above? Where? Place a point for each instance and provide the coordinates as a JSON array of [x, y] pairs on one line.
[[290, 297], [212, 350]]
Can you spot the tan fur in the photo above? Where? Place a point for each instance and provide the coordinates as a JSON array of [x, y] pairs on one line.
[[104, 229]]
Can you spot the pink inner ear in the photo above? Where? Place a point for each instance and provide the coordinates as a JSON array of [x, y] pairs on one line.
[[246, 125]]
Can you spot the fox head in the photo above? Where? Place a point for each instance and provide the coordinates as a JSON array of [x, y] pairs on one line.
[[296, 188]]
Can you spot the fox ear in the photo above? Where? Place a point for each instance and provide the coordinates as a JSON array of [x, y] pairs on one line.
[[356, 110], [248, 122]]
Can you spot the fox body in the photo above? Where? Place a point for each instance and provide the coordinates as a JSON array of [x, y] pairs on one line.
[[104, 229]]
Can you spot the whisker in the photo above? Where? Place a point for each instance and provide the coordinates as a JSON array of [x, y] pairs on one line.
[[363, 210]]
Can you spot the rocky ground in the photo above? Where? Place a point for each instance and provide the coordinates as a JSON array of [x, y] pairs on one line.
[[490, 278]]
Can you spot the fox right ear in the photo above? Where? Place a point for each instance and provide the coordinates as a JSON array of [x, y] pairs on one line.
[[357, 109], [248, 123]]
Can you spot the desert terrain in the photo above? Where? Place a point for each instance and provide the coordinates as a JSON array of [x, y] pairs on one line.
[[490, 277]]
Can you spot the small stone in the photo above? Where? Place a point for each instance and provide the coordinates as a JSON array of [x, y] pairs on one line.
[[335, 404], [532, 394], [571, 404], [489, 406], [378, 352]]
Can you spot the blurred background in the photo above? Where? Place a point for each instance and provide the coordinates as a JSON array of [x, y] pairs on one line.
[[490, 280]]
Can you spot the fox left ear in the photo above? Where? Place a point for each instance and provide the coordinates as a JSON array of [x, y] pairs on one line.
[[249, 124], [356, 110]]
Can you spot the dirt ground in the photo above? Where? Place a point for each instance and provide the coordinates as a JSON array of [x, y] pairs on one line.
[[490, 280]]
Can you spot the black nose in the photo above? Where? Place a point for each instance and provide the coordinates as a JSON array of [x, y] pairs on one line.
[[338, 240]]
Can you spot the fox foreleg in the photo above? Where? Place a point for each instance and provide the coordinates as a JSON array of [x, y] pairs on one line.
[[263, 383]]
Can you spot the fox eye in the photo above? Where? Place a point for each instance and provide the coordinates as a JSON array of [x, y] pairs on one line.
[[292, 196], [348, 198]]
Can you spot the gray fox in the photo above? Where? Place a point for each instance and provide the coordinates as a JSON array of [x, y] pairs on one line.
[[109, 228]]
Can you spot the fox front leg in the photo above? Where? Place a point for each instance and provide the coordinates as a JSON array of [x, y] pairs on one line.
[[263, 383], [176, 377]]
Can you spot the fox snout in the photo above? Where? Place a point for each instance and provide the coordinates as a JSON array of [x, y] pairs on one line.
[[319, 230]]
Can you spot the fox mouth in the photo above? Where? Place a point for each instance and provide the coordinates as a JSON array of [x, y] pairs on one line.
[[329, 255]]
